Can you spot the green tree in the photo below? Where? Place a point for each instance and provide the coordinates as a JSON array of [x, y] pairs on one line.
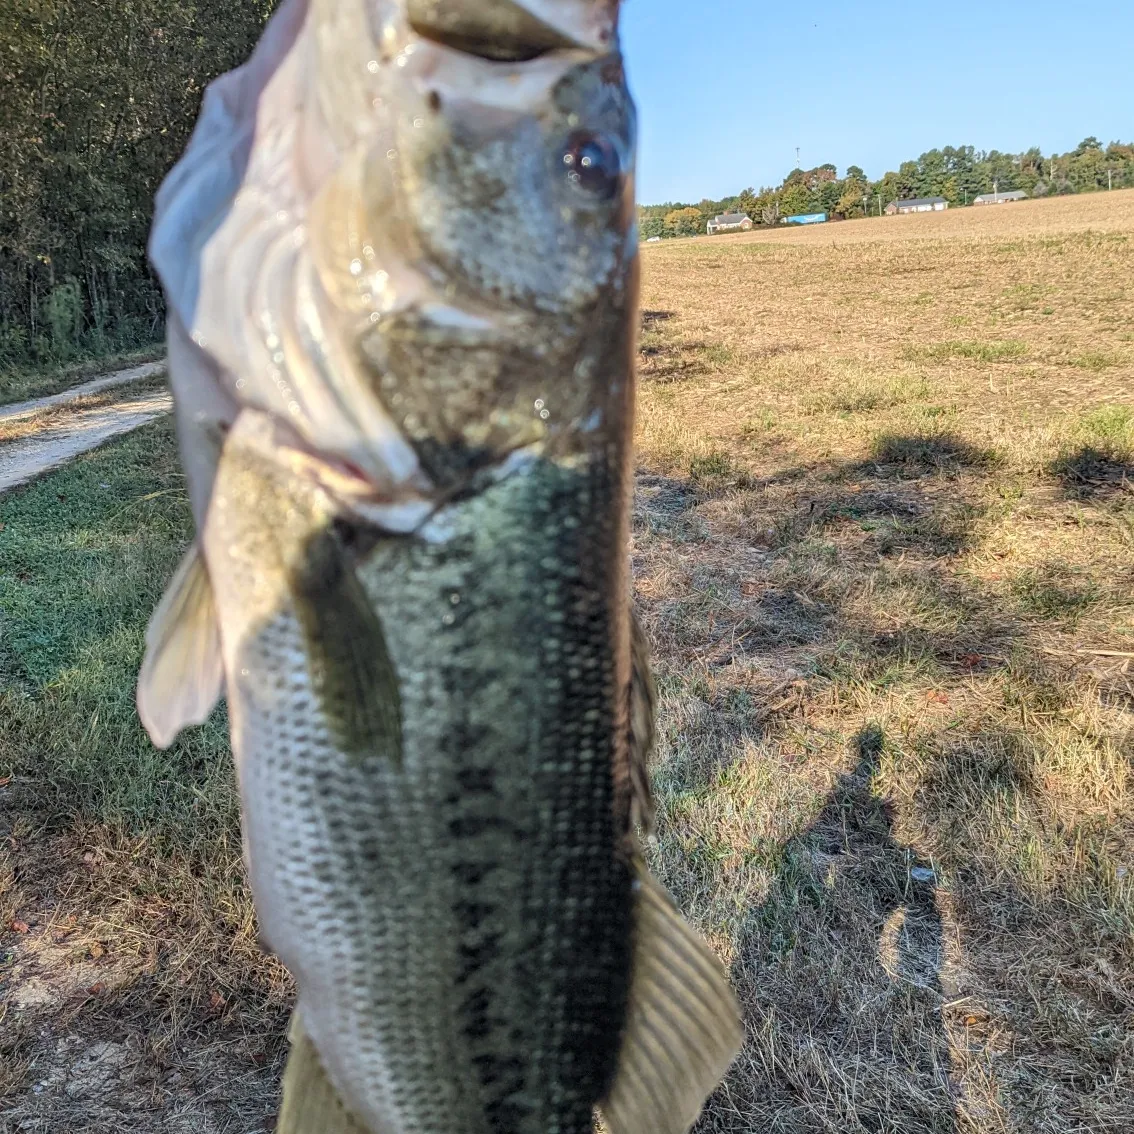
[[688, 221], [98, 102]]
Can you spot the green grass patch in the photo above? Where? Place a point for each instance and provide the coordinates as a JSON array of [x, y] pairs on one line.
[[1000, 350], [84, 557]]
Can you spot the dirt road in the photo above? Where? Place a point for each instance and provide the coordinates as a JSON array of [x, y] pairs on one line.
[[62, 436]]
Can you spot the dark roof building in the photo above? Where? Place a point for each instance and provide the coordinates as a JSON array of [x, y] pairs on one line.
[[917, 205]]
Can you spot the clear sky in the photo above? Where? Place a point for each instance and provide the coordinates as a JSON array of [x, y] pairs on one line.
[[727, 89]]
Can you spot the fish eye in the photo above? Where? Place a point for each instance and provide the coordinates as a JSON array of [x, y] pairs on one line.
[[593, 164]]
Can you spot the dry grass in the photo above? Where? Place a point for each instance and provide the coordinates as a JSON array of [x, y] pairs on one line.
[[884, 549]]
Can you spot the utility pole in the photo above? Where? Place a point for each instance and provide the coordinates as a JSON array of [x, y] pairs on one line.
[[797, 157], [866, 204], [1109, 179]]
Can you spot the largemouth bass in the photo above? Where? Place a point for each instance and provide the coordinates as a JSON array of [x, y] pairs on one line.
[[402, 273]]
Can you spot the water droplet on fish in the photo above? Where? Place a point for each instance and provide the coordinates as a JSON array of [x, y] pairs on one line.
[[572, 120], [281, 215], [540, 403], [368, 251], [391, 154], [372, 67], [356, 267], [374, 316], [545, 414], [381, 277], [241, 383], [419, 122], [293, 407], [244, 673], [454, 598], [448, 619]]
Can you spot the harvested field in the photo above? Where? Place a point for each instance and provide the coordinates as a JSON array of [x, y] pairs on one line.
[[883, 547]]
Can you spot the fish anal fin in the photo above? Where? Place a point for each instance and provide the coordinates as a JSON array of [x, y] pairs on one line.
[[683, 1024], [182, 675], [311, 1105]]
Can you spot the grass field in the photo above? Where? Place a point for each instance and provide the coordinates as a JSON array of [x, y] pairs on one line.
[[883, 547]]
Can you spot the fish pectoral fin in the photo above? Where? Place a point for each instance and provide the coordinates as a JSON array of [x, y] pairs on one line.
[[311, 1105], [182, 675], [683, 1024]]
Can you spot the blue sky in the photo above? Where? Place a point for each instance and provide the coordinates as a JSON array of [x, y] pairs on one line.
[[727, 89]]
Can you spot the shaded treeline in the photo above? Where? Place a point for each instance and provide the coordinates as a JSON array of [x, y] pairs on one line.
[[957, 173], [98, 101]]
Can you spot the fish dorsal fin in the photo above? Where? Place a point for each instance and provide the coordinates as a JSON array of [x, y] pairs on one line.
[[683, 1025], [182, 675]]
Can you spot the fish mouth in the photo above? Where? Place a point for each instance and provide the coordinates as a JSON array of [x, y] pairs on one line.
[[507, 31]]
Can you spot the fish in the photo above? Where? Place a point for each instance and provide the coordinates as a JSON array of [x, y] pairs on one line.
[[400, 262]]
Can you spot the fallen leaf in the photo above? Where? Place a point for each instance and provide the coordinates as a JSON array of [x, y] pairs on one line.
[[96, 950], [938, 697], [20, 926], [216, 1002], [749, 588], [5, 781], [97, 989], [971, 660]]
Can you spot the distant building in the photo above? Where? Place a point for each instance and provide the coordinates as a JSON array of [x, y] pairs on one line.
[[917, 205], [805, 218], [730, 222], [1000, 198]]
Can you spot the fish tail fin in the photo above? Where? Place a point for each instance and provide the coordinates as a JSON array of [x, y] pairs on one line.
[[182, 675], [683, 1025]]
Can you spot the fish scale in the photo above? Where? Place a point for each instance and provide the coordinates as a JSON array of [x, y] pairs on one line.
[[541, 716]]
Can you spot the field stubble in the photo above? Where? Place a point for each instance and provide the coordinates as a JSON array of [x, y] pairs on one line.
[[882, 545]]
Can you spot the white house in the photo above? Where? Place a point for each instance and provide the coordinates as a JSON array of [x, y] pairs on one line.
[[730, 222], [917, 205], [1000, 198]]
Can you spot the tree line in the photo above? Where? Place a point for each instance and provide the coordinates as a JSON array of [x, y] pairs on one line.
[[98, 102], [957, 173]]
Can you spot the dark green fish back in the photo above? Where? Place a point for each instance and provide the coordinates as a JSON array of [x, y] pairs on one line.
[[505, 638]]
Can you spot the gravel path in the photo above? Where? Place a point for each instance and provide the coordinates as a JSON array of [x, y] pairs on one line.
[[67, 436], [118, 378]]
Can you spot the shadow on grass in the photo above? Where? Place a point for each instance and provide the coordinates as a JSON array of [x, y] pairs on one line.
[[1092, 474], [844, 955]]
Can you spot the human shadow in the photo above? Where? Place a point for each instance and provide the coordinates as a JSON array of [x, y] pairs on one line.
[[836, 1041]]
